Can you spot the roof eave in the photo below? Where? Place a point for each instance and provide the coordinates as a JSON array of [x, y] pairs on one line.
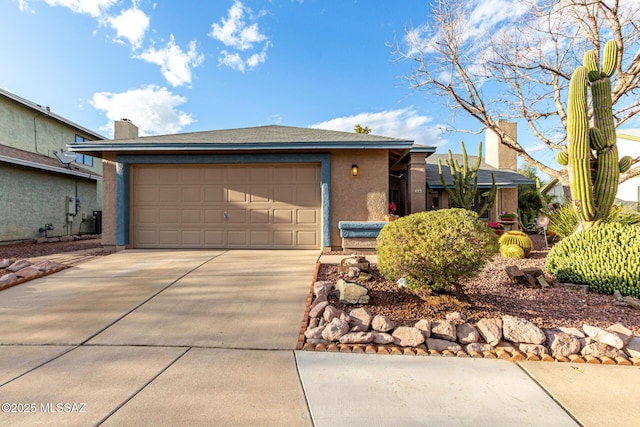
[[40, 166]]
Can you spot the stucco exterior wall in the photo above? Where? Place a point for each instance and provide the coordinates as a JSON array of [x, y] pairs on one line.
[[32, 198], [358, 198], [109, 201], [34, 131]]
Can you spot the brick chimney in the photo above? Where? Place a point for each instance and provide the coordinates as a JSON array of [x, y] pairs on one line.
[[124, 129], [499, 155]]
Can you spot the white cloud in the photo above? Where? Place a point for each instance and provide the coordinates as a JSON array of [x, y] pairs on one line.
[[131, 24], [23, 5], [95, 8], [175, 64], [152, 108], [403, 123], [240, 36]]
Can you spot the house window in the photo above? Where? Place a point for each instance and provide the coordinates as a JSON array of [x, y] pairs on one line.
[[83, 159], [479, 201]]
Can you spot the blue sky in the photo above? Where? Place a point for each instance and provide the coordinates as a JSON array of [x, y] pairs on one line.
[[200, 65]]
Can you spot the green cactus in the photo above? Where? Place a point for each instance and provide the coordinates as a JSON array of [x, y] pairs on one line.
[[604, 257], [519, 238], [512, 251], [465, 182], [593, 194]]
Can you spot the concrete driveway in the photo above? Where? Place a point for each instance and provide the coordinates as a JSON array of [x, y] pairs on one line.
[[208, 338], [157, 338]]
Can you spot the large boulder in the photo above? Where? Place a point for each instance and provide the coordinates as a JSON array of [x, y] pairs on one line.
[[351, 293], [407, 336], [490, 330], [519, 330], [334, 330]]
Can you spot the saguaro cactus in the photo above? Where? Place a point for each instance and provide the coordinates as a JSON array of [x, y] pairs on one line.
[[465, 182], [593, 178]]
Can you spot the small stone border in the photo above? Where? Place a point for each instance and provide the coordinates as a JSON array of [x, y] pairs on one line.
[[505, 353], [49, 267]]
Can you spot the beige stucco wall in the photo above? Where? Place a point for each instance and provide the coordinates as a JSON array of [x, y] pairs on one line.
[[358, 198], [32, 198], [109, 201], [34, 131]]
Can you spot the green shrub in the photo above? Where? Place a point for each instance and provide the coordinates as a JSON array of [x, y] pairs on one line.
[[433, 250], [562, 220], [606, 257]]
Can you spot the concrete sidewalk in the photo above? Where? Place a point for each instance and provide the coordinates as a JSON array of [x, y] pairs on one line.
[[208, 337]]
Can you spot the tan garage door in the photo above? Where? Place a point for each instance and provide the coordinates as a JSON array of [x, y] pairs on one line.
[[226, 206]]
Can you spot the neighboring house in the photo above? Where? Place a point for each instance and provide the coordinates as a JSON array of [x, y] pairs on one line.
[[499, 160], [36, 187], [261, 187]]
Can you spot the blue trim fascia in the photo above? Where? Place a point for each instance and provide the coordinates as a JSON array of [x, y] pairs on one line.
[[209, 146], [366, 229], [123, 181]]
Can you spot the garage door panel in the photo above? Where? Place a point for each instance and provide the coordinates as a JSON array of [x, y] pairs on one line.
[[169, 238], [168, 195], [237, 195], [307, 216], [169, 216], [284, 195], [283, 216], [191, 238], [226, 206], [191, 216], [237, 238], [191, 195], [214, 216]]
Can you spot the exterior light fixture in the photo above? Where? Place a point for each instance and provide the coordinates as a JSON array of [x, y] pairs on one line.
[[354, 170]]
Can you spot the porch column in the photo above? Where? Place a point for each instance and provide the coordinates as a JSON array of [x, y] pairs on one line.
[[417, 182]]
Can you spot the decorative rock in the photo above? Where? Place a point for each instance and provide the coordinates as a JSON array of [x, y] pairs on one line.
[[562, 344], [360, 262], [334, 330], [536, 349], [353, 272], [633, 348], [316, 341], [602, 336], [442, 345], [382, 323], [6, 262], [66, 239], [572, 331], [361, 318], [42, 240], [314, 333], [29, 272], [425, 326], [18, 265], [407, 336], [520, 330], [331, 313], [357, 338], [456, 317], [322, 288], [351, 293], [8, 278], [490, 330], [317, 301], [318, 309], [467, 334], [382, 338], [598, 349], [344, 316], [48, 265], [621, 331], [313, 322], [443, 329], [478, 347]]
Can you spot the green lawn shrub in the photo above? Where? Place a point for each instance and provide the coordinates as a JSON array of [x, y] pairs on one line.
[[606, 257], [433, 250]]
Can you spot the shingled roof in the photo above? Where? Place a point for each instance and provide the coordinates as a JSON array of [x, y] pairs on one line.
[[274, 137], [23, 158], [505, 178]]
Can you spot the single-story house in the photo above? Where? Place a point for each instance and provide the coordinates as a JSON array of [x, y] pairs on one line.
[[499, 160], [45, 190], [259, 187]]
